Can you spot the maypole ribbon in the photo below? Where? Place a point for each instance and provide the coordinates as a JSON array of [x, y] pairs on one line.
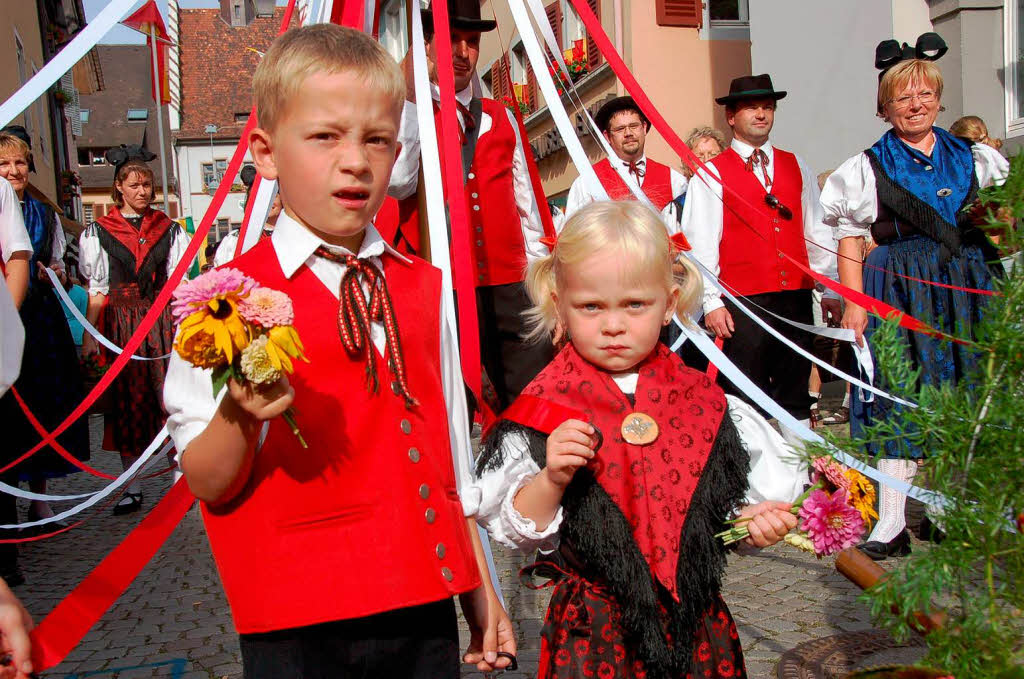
[[58, 289], [63, 629], [458, 210]]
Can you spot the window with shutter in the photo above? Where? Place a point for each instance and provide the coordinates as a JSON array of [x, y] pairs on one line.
[[685, 13], [594, 58], [554, 12]]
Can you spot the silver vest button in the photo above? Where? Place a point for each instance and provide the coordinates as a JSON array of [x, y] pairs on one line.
[[446, 573], [424, 491], [406, 427], [430, 515], [414, 455], [440, 550]]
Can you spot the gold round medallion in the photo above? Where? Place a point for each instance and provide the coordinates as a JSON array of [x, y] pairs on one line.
[[639, 429]]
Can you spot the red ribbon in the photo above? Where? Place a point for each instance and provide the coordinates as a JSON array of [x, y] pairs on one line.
[[540, 414], [458, 211], [604, 45], [164, 297], [66, 625]]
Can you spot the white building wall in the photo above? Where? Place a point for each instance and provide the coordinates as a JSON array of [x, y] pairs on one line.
[[822, 53], [194, 201]]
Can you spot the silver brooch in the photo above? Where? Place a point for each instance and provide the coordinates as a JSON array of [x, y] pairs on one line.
[[942, 193]]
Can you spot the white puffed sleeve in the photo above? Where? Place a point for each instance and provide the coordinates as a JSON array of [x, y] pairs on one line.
[[497, 490], [59, 246], [990, 166], [849, 200], [776, 472], [179, 243], [93, 263]]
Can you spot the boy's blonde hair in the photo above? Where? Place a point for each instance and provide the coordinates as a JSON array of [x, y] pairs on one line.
[[897, 78], [11, 145], [320, 48], [627, 227]]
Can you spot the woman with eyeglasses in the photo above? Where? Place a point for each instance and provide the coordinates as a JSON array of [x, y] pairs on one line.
[[907, 192]]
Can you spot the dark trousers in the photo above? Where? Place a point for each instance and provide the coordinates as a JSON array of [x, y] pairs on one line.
[[420, 642], [9, 515], [770, 364], [510, 361]]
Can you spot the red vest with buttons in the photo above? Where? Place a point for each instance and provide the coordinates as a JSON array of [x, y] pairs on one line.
[[368, 518], [751, 263], [496, 233], [657, 183]]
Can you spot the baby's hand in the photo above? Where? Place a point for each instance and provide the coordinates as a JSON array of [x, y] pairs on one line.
[[570, 446], [769, 523], [262, 403]]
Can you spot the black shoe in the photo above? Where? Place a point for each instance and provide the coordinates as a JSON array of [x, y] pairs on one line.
[[134, 504], [879, 551], [930, 532]]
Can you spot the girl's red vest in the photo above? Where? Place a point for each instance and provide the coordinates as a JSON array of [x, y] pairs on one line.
[[657, 183], [368, 518], [750, 263]]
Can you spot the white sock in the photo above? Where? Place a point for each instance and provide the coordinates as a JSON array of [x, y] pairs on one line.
[[816, 395], [891, 503], [846, 400]]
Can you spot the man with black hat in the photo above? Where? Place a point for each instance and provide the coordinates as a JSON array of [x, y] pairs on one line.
[[771, 208], [504, 216], [625, 127]]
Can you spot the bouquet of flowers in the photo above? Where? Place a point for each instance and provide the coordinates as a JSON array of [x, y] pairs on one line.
[[228, 323], [834, 512]]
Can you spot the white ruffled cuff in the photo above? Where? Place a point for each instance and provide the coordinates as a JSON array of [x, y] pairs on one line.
[[847, 229], [522, 532]]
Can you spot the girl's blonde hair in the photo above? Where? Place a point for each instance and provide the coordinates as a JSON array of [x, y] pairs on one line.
[[897, 78], [973, 128], [628, 228]]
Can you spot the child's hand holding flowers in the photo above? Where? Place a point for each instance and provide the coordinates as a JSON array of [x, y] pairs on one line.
[[244, 334], [768, 522]]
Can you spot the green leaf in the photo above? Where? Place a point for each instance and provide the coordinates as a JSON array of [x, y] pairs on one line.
[[221, 375]]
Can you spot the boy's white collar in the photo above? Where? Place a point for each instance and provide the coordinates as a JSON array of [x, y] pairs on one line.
[[295, 244]]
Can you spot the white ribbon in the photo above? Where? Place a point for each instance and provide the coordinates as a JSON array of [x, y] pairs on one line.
[[99, 495], [58, 288], [70, 55], [437, 227]]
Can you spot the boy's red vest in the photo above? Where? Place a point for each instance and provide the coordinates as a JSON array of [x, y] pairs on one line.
[[657, 183], [749, 263], [368, 518]]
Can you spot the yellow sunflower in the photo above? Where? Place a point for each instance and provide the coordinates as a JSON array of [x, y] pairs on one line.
[[219, 318], [283, 344], [862, 495], [200, 350]]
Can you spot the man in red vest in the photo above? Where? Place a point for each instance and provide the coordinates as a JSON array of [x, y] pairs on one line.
[[505, 222], [625, 127], [771, 208]]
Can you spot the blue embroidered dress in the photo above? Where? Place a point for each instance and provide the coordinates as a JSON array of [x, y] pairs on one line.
[[920, 232]]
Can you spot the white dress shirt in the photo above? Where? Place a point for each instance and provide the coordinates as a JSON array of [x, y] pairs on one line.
[[579, 193], [775, 474], [703, 218], [94, 263], [188, 391], [13, 234], [850, 200], [405, 175]]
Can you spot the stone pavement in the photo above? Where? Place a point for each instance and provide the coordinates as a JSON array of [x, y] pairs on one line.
[[174, 622]]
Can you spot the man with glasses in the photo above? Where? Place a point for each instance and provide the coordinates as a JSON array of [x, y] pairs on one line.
[[625, 127], [770, 210]]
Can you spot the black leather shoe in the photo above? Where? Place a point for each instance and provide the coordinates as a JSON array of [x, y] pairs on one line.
[[930, 532], [879, 551], [134, 504]]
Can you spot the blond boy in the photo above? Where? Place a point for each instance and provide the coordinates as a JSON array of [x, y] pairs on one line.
[[341, 559]]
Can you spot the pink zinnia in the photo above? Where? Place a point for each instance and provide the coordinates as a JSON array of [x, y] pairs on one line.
[[830, 522], [216, 283], [832, 471], [267, 308]]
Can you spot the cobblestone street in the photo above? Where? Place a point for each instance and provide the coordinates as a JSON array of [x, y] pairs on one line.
[[174, 621]]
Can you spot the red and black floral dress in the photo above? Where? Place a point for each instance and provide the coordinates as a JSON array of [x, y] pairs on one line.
[[128, 259], [637, 572]]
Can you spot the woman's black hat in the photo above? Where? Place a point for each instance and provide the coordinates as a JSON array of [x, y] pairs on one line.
[[119, 155], [21, 133], [751, 87], [618, 105], [464, 14], [888, 53]]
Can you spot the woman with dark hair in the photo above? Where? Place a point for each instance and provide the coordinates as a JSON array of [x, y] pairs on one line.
[[125, 257], [51, 382], [908, 192]]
